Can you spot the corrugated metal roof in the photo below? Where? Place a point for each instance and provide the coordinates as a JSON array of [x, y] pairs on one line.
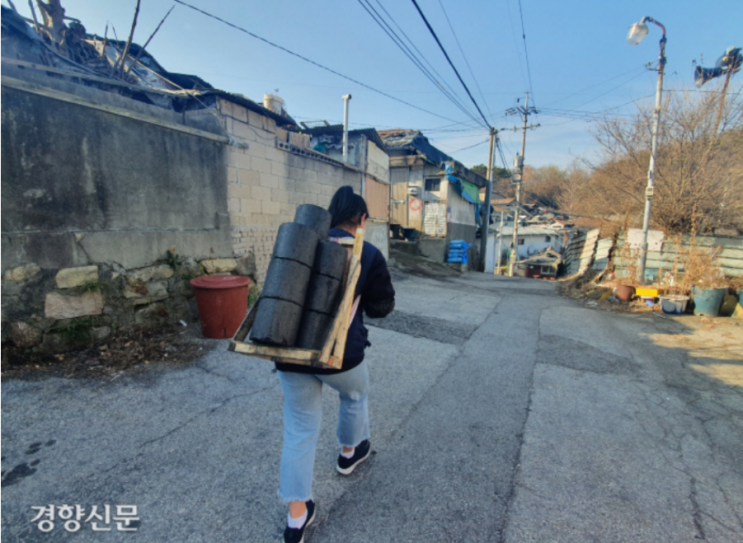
[[532, 231], [337, 130], [548, 257], [414, 141]]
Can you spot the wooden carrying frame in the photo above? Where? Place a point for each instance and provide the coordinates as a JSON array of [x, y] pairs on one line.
[[331, 355]]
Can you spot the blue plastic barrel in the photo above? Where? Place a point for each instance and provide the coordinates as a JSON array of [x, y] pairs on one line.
[[707, 301]]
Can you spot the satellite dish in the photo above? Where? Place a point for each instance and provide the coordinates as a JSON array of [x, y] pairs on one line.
[[730, 61]]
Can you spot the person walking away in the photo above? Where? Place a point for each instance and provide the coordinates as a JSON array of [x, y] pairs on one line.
[[302, 385]]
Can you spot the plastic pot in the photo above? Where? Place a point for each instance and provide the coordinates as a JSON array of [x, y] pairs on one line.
[[624, 292], [222, 301], [674, 305], [708, 301]]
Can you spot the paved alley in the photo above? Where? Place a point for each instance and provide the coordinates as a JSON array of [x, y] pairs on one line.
[[500, 412]]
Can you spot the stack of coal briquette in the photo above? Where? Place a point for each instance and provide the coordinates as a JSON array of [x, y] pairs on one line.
[[303, 283]]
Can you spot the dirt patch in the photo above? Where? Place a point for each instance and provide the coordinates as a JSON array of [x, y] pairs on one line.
[[126, 352], [422, 266]]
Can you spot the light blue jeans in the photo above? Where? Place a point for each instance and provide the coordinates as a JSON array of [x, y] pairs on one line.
[[302, 419]]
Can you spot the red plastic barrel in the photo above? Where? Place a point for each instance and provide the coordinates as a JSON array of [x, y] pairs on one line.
[[223, 303]]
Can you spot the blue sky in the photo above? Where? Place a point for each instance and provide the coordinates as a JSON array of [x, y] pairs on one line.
[[578, 59]]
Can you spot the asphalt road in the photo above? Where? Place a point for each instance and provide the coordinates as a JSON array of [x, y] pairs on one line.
[[500, 412]]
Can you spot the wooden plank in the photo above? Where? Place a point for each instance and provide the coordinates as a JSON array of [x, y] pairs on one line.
[[89, 77], [247, 324], [292, 361], [340, 344], [277, 352], [54, 94], [342, 320]]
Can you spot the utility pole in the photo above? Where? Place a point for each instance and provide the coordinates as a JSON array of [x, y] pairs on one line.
[[485, 215], [346, 98], [519, 164], [649, 190], [500, 242]]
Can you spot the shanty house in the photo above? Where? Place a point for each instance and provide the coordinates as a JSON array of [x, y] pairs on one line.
[[543, 265], [432, 194], [533, 239], [366, 151]]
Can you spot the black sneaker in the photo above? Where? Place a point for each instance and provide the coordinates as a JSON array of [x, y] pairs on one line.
[[347, 465], [296, 535]]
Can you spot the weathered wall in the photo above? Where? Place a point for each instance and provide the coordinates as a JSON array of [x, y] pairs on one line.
[[415, 203], [378, 234], [399, 205], [728, 255], [81, 186], [377, 199], [377, 161], [462, 212], [267, 181], [92, 201]]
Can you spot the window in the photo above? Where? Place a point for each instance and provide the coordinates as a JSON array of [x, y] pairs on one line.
[[547, 239], [433, 185], [521, 241], [547, 270]]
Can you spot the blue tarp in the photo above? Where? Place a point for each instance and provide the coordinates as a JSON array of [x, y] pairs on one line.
[[461, 187]]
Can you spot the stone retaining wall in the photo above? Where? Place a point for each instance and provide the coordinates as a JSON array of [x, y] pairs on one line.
[[57, 310]]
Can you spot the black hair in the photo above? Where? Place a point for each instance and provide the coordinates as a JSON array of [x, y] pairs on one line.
[[346, 207]]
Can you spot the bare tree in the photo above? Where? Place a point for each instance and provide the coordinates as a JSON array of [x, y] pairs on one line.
[[698, 170], [544, 185], [573, 193]]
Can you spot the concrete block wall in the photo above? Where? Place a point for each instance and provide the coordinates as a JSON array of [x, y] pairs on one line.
[[93, 202], [265, 184]]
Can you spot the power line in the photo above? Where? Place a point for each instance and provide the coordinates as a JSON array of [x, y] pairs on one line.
[[422, 56], [465, 59], [526, 52], [433, 33], [499, 146], [272, 44], [622, 84], [593, 86], [376, 16], [593, 115], [470, 146], [515, 42]]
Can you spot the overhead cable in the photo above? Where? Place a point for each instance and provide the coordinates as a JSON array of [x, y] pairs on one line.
[[412, 44], [623, 83], [526, 53], [435, 37], [516, 43], [594, 115], [376, 16], [595, 85], [470, 146], [459, 45], [499, 146], [272, 44]]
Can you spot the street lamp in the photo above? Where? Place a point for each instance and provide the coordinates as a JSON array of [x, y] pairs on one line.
[[636, 34]]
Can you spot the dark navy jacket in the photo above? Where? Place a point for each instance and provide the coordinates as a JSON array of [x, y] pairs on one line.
[[374, 287]]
